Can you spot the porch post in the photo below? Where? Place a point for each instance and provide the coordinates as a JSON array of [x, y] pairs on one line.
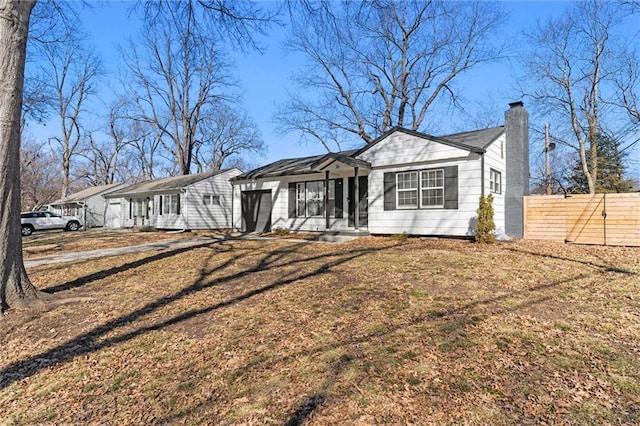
[[356, 191], [326, 200]]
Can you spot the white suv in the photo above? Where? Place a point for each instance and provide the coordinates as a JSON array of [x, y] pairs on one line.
[[36, 221]]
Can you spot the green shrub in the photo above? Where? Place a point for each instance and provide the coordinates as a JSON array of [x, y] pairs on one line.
[[485, 225]]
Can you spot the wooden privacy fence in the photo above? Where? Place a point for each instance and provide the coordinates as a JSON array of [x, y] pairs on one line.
[[606, 219]]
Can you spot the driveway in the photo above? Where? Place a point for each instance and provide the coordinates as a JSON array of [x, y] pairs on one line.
[[83, 255]]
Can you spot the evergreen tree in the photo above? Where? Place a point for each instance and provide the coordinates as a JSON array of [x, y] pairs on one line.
[[611, 169], [485, 226]]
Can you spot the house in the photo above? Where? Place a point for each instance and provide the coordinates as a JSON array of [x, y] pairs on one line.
[[404, 181], [88, 205], [197, 201]]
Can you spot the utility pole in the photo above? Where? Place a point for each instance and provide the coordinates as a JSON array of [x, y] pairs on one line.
[[546, 155]]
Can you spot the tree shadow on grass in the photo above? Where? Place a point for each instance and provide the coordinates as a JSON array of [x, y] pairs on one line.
[[449, 322], [602, 267], [82, 281], [91, 341]]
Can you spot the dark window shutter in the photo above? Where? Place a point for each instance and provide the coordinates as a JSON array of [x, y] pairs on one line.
[[390, 191], [339, 199], [161, 198], [178, 203], [130, 208], [451, 187], [292, 199]]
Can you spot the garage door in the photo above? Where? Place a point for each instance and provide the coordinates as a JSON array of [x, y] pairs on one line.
[[256, 211], [112, 216]]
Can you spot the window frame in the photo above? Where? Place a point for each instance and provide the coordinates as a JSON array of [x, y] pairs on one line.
[[213, 200], [303, 199], [439, 176], [495, 181], [420, 188], [403, 190], [170, 204]]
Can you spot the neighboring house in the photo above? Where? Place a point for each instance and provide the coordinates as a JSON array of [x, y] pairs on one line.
[[405, 181], [198, 201], [88, 205]]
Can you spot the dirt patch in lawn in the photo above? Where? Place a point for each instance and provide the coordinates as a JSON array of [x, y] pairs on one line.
[[374, 331]]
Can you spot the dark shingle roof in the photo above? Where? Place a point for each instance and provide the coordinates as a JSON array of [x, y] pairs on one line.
[[476, 138], [287, 167], [164, 184], [473, 141]]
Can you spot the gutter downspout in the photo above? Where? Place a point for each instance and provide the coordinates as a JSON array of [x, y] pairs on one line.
[[482, 174]]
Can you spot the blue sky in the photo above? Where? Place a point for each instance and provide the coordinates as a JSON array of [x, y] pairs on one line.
[[265, 78]]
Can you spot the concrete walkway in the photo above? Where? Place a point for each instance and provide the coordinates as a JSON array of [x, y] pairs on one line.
[[92, 254]]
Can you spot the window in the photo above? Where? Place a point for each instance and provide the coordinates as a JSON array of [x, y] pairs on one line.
[[211, 200], [407, 190], [495, 181], [310, 199], [170, 204], [432, 188]]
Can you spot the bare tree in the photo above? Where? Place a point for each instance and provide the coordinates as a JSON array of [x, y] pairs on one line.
[[39, 175], [380, 64], [108, 155], [571, 66], [71, 70], [15, 287], [628, 84], [15, 15], [175, 76], [224, 134]]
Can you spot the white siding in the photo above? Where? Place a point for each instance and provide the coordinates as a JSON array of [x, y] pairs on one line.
[[200, 216], [397, 153], [170, 220], [451, 222], [495, 159], [402, 149], [403, 152], [280, 202]]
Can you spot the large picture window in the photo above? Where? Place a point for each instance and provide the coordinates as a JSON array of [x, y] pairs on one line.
[[310, 199]]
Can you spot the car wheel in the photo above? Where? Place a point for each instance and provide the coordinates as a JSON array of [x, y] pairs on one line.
[[27, 230], [73, 226]]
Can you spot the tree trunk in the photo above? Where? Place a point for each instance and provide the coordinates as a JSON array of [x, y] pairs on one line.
[[15, 287]]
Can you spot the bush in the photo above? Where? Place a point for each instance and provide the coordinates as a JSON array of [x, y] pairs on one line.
[[280, 231], [485, 226], [400, 237]]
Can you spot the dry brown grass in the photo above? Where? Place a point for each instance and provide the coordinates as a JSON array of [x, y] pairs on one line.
[[376, 331], [51, 243]]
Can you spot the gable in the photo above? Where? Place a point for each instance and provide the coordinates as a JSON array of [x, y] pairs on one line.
[[402, 147]]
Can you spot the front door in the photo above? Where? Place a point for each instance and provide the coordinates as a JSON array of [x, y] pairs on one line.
[[363, 190]]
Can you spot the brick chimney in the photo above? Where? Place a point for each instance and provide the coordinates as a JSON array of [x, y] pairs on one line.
[[516, 123]]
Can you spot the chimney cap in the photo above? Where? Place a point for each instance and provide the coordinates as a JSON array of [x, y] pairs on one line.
[[516, 104]]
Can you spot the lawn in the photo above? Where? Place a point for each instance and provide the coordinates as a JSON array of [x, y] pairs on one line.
[[375, 331], [51, 243]]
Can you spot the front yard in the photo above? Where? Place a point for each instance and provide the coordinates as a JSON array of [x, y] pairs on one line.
[[375, 331]]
